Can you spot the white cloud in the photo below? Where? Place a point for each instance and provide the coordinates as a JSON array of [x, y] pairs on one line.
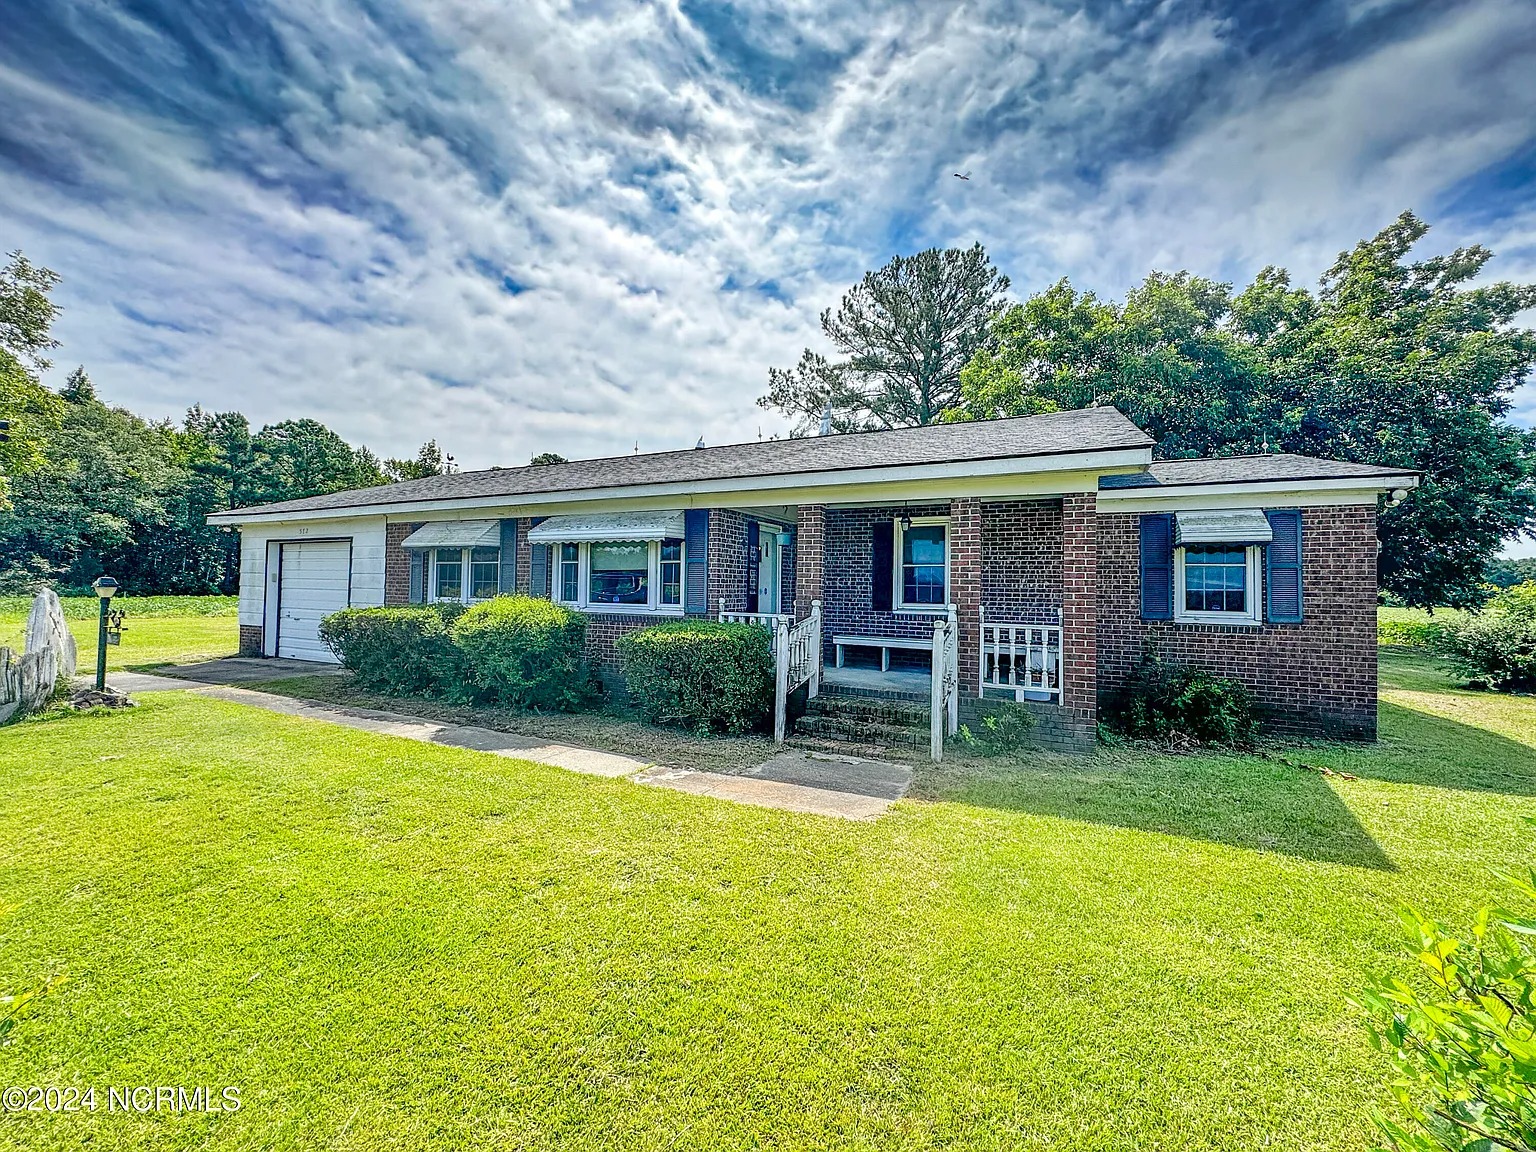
[[340, 254]]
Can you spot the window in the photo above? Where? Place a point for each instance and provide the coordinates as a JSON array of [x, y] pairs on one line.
[[671, 573], [1217, 583], [449, 574], [484, 573], [450, 566], [619, 573], [570, 572], [922, 570]]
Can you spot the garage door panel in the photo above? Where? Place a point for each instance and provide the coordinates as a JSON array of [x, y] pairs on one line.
[[315, 579]]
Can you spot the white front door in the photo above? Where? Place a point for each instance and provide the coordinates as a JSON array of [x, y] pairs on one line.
[[767, 570], [315, 581]]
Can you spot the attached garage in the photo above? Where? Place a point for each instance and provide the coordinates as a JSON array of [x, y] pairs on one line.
[[314, 580]]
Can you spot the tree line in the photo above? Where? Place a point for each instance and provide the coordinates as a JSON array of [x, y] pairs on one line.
[[87, 488], [1391, 360]]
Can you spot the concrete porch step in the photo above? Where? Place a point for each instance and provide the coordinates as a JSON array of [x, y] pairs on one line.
[[871, 710], [846, 729]]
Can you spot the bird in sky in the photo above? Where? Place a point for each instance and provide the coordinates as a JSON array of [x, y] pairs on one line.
[[962, 176]]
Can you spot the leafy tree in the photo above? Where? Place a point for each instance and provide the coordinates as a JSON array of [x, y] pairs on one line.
[[26, 314], [902, 335], [1391, 362], [1506, 573], [297, 458], [548, 458], [429, 462]]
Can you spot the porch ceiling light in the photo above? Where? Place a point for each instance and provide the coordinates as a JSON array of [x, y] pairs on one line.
[[906, 521]]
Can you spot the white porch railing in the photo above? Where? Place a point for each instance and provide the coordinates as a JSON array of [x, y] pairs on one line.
[[767, 619], [796, 656], [944, 683], [1024, 659]]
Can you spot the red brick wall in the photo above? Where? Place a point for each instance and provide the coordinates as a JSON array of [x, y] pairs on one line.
[[604, 630], [727, 560], [1314, 678], [1021, 560], [250, 639], [397, 564], [846, 597], [810, 545], [1079, 607], [965, 549]]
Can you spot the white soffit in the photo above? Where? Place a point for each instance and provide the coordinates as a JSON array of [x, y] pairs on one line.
[[456, 534], [1229, 526], [609, 526]]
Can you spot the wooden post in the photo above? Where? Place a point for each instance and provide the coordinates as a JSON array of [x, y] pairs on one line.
[[780, 681], [815, 688]]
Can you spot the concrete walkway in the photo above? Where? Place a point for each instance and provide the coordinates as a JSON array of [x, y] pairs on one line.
[[842, 786]]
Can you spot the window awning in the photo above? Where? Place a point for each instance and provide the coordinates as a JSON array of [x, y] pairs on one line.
[[1228, 526], [609, 526], [456, 534]]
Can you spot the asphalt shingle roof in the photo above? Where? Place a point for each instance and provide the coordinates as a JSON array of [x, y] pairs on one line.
[[1083, 430], [1240, 469]]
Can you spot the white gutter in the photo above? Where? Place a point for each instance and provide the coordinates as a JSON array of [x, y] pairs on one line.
[[778, 486]]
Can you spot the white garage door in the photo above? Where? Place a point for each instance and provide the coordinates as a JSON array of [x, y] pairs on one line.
[[315, 575]]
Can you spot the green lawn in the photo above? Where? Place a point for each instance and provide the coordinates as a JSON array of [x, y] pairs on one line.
[[148, 638], [393, 945]]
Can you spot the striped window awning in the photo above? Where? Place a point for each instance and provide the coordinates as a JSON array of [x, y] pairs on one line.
[[456, 534], [1227, 526], [608, 526]]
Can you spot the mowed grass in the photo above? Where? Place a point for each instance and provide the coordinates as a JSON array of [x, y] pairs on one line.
[[150, 636], [395, 945]]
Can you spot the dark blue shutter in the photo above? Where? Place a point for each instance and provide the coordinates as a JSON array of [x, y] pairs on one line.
[[538, 571], [753, 559], [1282, 568], [696, 560], [418, 577], [1157, 566], [882, 565], [508, 582]]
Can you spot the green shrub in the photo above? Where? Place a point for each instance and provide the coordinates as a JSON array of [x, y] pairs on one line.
[[527, 652], [1002, 730], [1409, 633], [1465, 1047], [399, 651], [1496, 648], [701, 675], [1176, 702], [86, 607]]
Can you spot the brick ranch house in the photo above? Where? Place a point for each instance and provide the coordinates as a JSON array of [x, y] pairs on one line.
[[1058, 544]]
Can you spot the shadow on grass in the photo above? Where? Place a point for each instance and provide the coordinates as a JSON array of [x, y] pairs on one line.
[[1438, 752], [1242, 801]]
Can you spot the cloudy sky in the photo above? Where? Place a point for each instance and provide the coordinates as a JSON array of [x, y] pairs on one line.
[[576, 226]]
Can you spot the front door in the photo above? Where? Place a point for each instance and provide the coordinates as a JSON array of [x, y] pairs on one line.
[[767, 569]]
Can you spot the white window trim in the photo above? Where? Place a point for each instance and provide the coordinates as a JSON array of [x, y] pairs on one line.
[[898, 604], [466, 581], [652, 606], [1252, 618]]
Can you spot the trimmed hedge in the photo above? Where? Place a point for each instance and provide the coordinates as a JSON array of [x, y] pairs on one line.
[[527, 652], [399, 651], [1179, 703], [701, 675]]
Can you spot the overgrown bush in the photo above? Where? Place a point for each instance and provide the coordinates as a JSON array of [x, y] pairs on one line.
[[526, 652], [1177, 702], [1465, 1048], [701, 675], [399, 651], [1496, 648], [1412, 632]]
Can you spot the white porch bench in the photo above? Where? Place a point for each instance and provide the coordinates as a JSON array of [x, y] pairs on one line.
[[884, 643]]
